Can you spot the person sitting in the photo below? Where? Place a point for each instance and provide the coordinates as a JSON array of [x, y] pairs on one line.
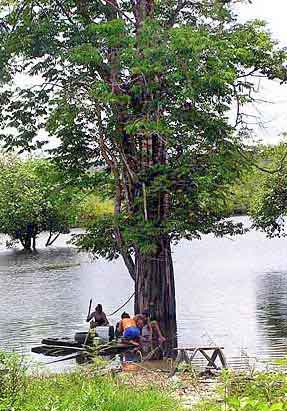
[[151, 330], [98, 318], [130, 328]]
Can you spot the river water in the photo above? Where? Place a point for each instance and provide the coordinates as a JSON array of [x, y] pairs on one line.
[[230, 292]]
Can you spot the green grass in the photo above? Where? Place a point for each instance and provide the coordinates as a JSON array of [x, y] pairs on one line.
[[255, 391], [75, 392], [82, 390]]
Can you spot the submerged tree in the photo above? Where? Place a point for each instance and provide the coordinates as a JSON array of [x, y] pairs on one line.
[[33, 200], [145, 88], [269, 200]]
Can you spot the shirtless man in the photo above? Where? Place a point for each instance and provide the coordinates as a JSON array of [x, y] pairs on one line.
[[98, 317]]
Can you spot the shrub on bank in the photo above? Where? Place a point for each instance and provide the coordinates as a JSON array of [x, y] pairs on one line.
[[13, 381], [262, 391]]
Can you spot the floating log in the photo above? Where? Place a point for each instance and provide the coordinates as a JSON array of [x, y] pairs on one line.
[[64, 342], [55, 351], [56, 347]]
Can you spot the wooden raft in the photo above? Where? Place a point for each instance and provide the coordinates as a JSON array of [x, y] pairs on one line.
[[188, 354]]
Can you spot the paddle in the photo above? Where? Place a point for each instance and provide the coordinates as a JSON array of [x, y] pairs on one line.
[[90, 306], [88, 333]]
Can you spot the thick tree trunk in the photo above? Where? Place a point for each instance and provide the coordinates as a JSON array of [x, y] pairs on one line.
[[155, 289], [27, 243]]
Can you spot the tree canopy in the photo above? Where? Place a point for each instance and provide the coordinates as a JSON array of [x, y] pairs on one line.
[[119, 78], [33, 199]]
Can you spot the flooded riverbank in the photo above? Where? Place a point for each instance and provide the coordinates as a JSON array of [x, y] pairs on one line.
[[230, 292]]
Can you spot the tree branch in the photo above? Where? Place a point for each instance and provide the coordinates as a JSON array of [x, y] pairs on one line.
[[62, 8], [265, 170], [125, 254], [49, 242], [114, 5]]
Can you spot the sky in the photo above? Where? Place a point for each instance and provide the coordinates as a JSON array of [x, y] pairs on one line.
[[273, 114]]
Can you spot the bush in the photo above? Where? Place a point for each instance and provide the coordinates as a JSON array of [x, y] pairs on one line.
[[264, 391], [13, 380]]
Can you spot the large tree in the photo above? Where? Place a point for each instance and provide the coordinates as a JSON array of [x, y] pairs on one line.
[[144, 88]]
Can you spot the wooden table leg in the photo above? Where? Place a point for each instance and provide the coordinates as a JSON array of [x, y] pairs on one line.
[[193, 354], [176, 363], [211, 360], [185, 357], [222, 358]]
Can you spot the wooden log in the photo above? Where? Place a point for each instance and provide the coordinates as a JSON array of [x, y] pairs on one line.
[[63, 346], [61, 342]]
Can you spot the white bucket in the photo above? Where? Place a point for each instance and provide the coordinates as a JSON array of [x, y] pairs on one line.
[[103, 333]]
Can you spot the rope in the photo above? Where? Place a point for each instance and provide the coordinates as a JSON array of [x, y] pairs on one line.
[[122, 306]]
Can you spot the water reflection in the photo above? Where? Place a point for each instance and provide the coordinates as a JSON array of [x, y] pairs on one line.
[[271, 312]]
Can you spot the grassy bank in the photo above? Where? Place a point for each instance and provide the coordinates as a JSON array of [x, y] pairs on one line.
[[78, 391], [88, 390]]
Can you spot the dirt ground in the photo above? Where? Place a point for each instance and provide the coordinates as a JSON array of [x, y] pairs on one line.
[[185, 385]]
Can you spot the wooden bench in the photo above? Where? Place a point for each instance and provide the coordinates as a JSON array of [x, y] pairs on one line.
[[188, 354]]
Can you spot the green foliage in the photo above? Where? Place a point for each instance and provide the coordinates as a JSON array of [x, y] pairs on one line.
[[91, 207], [34, 198], [148, 99], [250, 192], [258, 392], [269, 200], [242, 192], [74, 391], [13, 380]]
